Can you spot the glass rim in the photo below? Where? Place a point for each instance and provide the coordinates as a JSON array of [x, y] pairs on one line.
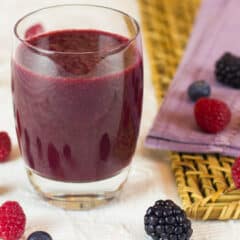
[[41, 50]]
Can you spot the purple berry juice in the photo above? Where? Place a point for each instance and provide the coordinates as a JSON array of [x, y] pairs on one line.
[[77, 102]]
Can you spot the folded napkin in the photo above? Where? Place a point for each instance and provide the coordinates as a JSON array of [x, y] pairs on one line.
[[216, 31]]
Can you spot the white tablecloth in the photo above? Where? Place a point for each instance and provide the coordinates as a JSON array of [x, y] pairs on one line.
[[150, 179]]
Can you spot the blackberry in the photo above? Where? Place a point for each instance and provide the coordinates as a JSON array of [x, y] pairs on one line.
[[199, 89], [167, 221], [227, 70]]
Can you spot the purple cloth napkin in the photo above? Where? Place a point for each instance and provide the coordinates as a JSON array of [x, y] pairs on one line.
[[217, 30]]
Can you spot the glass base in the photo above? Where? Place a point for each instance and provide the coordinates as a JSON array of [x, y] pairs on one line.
[[78, 196]]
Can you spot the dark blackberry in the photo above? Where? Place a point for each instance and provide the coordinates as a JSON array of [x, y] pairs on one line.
[[167, 221], [227, 70]]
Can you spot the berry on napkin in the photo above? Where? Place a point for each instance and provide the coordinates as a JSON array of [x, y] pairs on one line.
[[212, 115], [199, 89], [227, 70]]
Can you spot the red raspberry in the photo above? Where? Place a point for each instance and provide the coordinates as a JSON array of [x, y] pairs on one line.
[[212, 115], [5, 146], [12, 221], [34, 30], [236, 172]]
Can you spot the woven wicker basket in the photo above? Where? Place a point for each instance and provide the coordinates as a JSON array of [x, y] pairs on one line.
[[204, 181]]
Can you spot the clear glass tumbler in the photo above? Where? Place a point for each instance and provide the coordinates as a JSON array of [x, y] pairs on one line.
[[77, 86]]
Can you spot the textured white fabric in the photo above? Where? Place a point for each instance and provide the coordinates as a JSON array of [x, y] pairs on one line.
[[150, 179]]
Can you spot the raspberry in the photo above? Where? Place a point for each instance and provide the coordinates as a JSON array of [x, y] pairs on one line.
[[227, 70], [199, 89], [12, 221], [5, 146], [167, 221], [34, 30], [236, 172], [212, 115]]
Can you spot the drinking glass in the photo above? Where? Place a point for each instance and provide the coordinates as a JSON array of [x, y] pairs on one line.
[[77, 87]]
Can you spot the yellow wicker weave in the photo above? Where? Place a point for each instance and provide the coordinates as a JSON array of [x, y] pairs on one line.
[[204, 181]]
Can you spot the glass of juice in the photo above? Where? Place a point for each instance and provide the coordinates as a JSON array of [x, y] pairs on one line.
[[77, 86]]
